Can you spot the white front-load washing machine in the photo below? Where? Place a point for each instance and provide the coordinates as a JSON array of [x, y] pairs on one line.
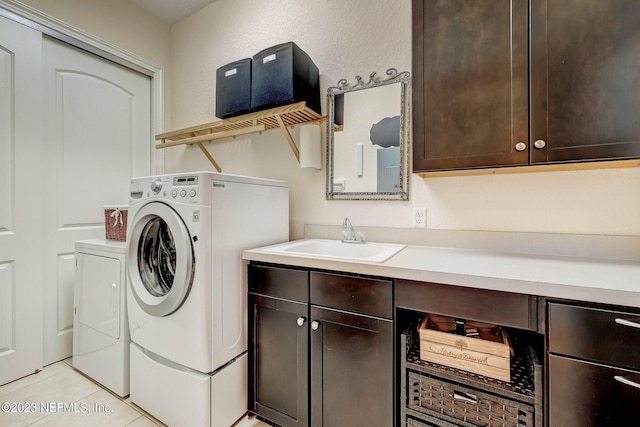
[[187, 290]]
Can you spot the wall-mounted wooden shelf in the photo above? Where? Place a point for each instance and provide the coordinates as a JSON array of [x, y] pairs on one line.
[[260, 121]]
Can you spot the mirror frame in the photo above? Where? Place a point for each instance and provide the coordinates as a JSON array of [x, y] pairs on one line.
[[342, 87]]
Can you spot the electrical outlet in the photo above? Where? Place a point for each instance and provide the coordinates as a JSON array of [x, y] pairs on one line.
[[419, 217]]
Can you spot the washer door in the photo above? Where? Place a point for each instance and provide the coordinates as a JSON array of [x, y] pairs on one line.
[[160, 259]]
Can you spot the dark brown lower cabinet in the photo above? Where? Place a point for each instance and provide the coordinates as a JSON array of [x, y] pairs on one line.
[[594, 365], [320, 349], [278, 360], [587, 394], [351, 370]]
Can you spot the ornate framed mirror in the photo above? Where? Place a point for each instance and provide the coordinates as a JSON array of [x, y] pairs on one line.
[[367, 138]]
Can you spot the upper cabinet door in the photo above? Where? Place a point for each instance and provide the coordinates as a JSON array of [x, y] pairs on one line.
[[470, 86], [585, 90]]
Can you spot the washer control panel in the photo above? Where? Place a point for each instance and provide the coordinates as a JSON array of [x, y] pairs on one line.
[[184, 188]]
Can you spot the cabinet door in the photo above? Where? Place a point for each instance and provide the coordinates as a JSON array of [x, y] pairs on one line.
[[278, 360], [470, 83], [351, 370], [585, 92], [584, 394]]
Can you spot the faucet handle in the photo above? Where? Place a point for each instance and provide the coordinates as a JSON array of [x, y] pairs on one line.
[[347, 229], [360, 237]]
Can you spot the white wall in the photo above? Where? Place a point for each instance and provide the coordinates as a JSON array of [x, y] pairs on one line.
[[117, 21], [355, 37], [345, 38], [120, 23]]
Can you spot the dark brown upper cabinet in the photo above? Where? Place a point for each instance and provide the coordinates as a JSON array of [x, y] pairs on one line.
[[524, 82], [585, 89], [470, 84]]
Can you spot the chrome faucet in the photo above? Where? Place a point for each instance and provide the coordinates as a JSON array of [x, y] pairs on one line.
[[349, 234]]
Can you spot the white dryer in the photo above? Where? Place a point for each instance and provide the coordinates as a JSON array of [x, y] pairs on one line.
[[187, 290], [100, 328]]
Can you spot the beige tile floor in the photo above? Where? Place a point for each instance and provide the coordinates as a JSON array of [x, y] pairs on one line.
[[79, 399]]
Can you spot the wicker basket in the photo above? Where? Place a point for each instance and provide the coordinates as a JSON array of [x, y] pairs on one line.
[[438, 395], [115, 222], [466, 405]]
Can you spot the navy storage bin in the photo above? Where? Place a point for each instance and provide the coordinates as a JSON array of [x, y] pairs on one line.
[[284, 74], [233, 89]]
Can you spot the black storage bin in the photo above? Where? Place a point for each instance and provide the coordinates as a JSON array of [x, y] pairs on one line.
[[284, 74], [233, 89]]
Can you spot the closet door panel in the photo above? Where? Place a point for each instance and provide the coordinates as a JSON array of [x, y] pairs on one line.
[[21, 178], [97, 122]]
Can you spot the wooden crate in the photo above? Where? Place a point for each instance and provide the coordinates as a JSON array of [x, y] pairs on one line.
[[489, 354]]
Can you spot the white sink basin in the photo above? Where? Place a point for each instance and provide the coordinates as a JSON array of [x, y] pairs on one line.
[[335, 249]]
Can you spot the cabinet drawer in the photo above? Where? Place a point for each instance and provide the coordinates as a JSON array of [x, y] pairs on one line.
[[279, 282], [589, 394], [500, 308], [356, 294], [596, 334]]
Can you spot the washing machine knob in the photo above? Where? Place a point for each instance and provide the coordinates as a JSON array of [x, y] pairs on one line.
[[156, 185]]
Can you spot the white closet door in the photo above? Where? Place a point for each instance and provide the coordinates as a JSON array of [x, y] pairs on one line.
[[97, 127], [21, 180]]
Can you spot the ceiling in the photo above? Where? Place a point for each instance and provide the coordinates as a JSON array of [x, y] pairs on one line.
[[171, 11]]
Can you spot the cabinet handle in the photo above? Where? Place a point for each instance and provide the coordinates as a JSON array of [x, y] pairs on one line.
[[465, 397], [315, 325], [625, 381], [521, 146], [540, 143], [626, 322], [300, 321]]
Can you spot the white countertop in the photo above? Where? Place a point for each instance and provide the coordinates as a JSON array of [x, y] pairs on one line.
[[585, 279]]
